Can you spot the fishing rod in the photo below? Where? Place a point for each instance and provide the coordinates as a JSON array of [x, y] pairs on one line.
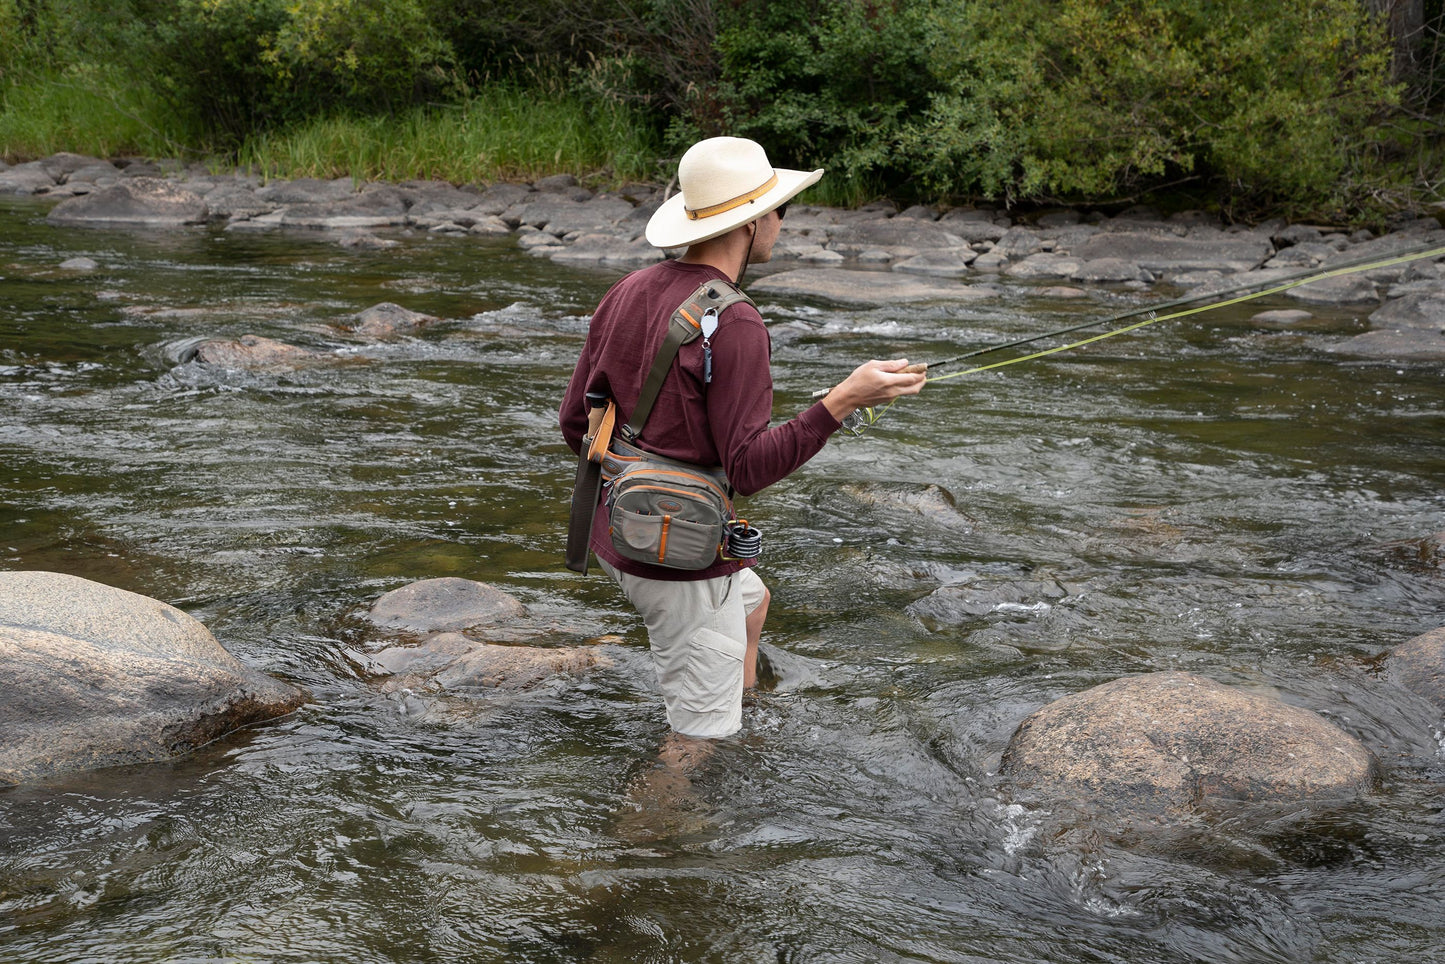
[[1269, 286], [860, 420]]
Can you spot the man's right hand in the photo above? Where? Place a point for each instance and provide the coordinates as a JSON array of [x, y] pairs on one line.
[[872, 383]]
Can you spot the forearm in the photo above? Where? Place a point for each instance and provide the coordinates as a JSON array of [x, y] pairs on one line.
[[756, 461]]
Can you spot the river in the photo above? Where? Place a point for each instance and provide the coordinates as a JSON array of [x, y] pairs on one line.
[[1210, 494]]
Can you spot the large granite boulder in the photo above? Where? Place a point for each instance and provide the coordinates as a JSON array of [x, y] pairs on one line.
[[142, 201], [1170, 255], [94, 676], [1424, 309], [1419, 666], [1164, 743], [375, 206], [28, 178]]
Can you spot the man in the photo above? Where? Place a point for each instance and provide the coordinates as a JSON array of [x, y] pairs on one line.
[[713, 410]]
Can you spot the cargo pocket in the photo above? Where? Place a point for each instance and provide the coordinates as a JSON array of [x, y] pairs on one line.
[[714, 677]]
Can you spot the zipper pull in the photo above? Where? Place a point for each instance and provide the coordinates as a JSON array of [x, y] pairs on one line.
[[709, 326]]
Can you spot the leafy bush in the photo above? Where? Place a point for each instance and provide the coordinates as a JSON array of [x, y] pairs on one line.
[[490, 39], [242, 66], [1277, 106], [823, 82], [1276, 103]]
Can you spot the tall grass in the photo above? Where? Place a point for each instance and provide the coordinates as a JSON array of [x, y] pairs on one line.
[[503, 133], [89, 109]]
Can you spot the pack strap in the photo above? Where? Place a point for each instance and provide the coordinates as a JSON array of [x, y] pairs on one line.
[[684, 326]]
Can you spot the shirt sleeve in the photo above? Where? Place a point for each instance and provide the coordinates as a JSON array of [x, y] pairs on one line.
[[740, 407], [572, 416]]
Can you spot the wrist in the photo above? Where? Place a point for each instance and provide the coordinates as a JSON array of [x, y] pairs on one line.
[[840, 404]]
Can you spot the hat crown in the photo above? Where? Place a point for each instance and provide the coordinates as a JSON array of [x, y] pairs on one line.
[[723, 182], [721, 169]]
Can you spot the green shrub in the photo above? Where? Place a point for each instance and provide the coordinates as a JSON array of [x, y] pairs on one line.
[[490, 39], [1274, 104], [822, 82], [241, 66]]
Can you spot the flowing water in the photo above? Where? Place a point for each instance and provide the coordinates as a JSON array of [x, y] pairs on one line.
[[1210, 494]]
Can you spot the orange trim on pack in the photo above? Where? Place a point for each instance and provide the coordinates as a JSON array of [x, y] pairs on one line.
[[662, 542]]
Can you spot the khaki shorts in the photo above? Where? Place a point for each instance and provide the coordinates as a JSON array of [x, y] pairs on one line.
[[697, 630]]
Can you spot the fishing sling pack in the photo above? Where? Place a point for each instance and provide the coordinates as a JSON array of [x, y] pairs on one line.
[[661, 511]]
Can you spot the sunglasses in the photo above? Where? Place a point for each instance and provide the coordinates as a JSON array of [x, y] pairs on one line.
[[782, 209]]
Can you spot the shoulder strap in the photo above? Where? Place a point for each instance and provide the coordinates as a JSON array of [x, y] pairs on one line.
[[684, 326]]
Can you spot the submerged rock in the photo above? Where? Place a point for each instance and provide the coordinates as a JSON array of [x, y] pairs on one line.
[[1426, 553], [1419, 666], [94, 676], [929, 502], [386, 320], [253, 352], [959, 603], [448, 614], [1165, 743], [454, 663], [446, 605]]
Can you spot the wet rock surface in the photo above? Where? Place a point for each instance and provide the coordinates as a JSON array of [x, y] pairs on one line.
[[456, 663], [254, 353], [141, 201], [447, 627], [94, 676], [870, 256], [1166, 743], [447, 604], [1419, 666], [386, 320]]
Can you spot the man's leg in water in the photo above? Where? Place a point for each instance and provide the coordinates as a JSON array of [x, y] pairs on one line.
[[755, 600]]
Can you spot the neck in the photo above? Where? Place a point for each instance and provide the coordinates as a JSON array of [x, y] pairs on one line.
[[728, 253]]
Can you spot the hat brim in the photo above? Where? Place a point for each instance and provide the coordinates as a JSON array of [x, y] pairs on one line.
[[670, 227]]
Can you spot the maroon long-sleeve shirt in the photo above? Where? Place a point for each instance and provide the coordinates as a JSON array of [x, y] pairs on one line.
[[721, 423]]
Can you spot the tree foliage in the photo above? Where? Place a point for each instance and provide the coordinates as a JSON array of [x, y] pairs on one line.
[[1280, 105], [1276, 103], [241, 66]]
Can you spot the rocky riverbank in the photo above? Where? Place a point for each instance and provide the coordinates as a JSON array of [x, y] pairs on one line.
[[873, 255]]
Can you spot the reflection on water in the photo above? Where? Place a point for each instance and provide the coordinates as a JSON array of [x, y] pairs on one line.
[[1211, 495]]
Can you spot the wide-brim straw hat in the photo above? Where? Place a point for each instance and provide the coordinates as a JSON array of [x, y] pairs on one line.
[[724, 182]]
